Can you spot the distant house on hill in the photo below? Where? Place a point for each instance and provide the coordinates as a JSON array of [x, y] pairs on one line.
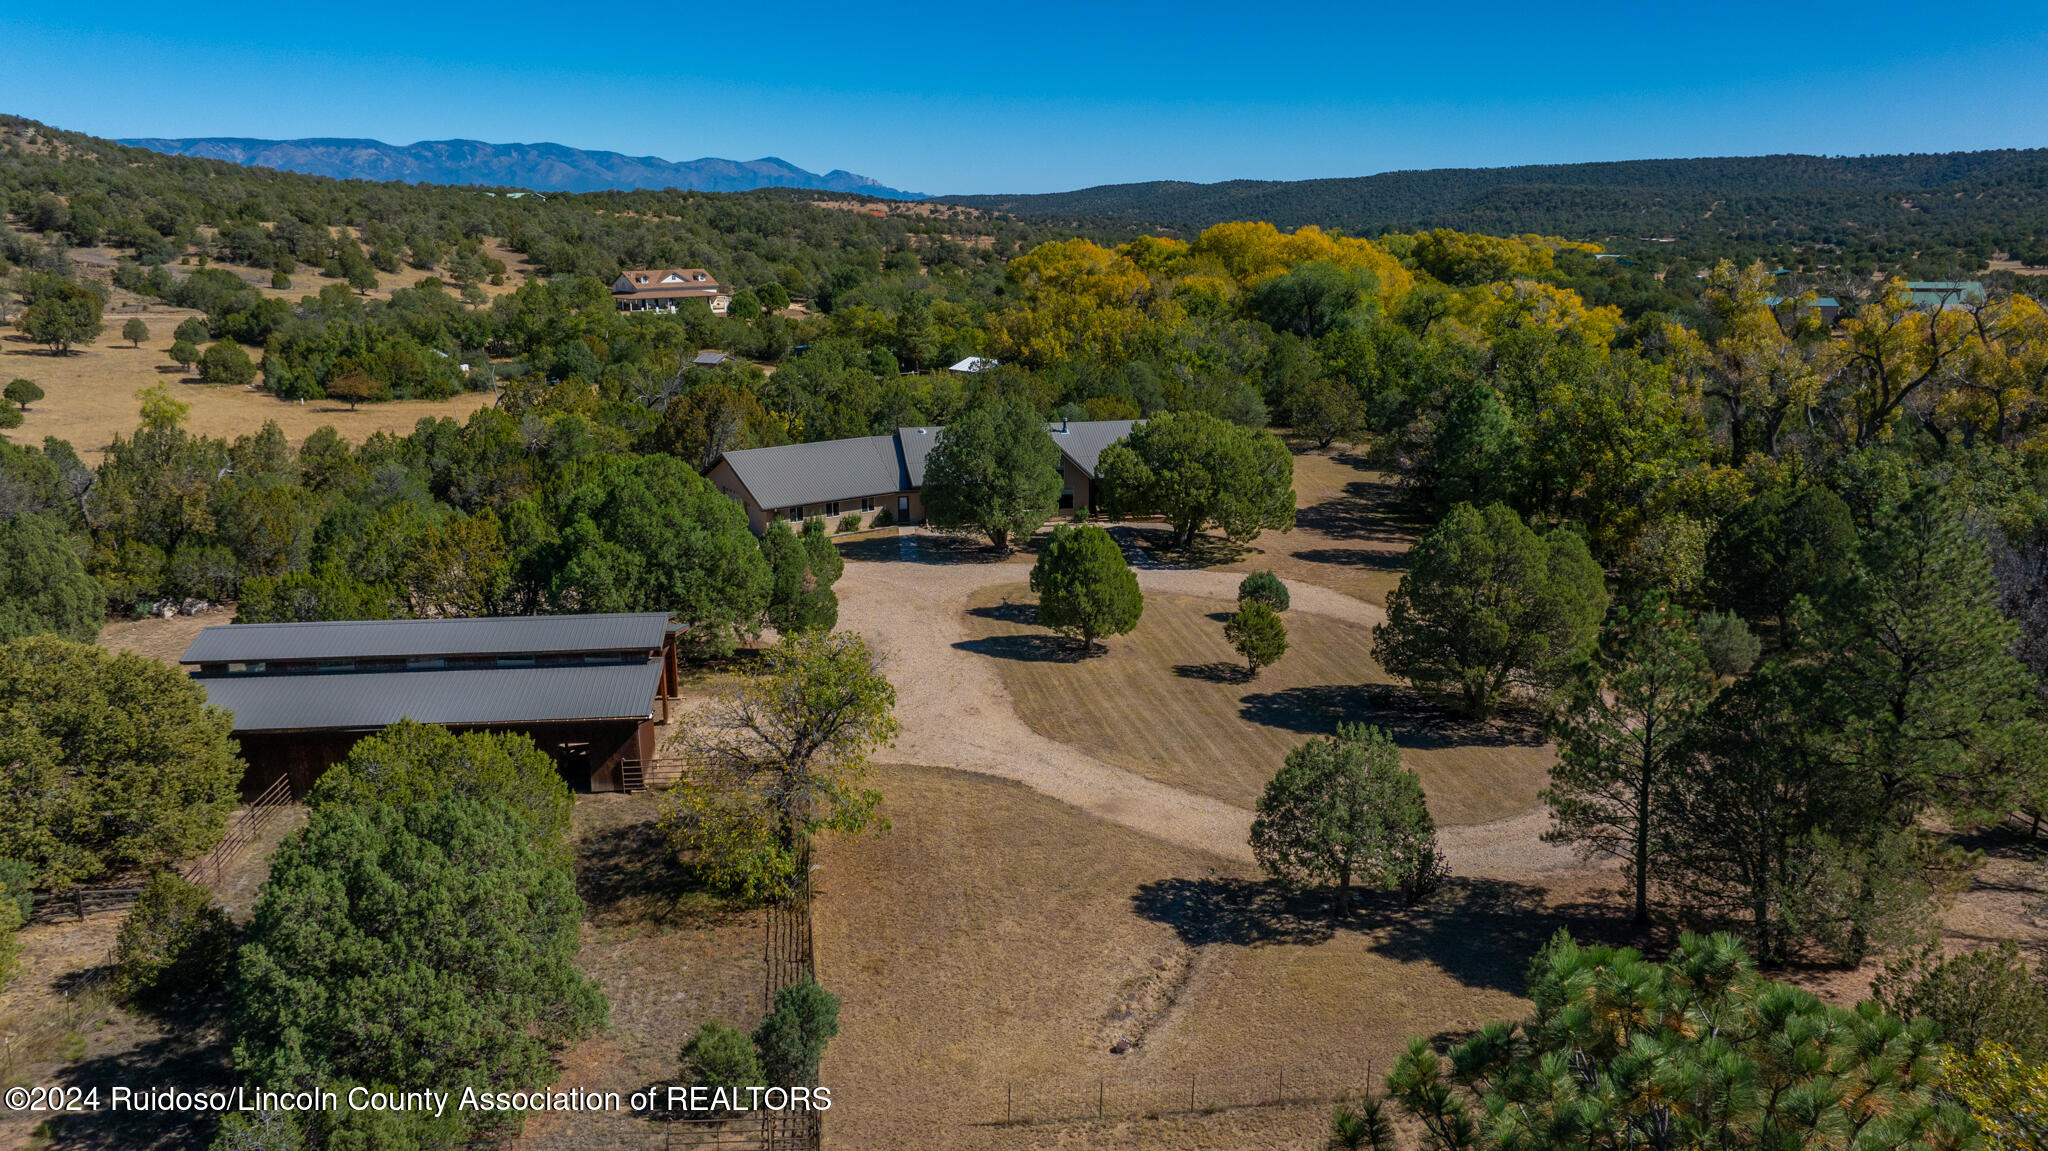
[[1827, 306], [710, 359], [1941, 295], [659, 290], [867, 474], [973, 364]]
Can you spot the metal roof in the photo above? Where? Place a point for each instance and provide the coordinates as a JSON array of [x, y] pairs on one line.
[[916, 444], [355, 700], [1083, 440], [484, 635], [802, 474]]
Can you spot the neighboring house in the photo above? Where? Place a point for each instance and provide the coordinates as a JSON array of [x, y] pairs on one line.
[[1944, 294], [710, 359], [834, 478], [588, 689], [1827, 306], [972, 365], [659, 290]]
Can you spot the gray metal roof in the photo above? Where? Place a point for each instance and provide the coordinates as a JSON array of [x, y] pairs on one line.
[[487, 635], [356, 700], [1083, 440], [814, 473], [917, 445]]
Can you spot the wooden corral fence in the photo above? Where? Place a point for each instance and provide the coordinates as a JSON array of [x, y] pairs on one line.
[[246, 828], [1085, 1098], [789, 956]]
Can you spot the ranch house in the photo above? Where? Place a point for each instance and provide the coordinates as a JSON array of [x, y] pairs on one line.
[[664, 290], [588, 689], [868, 474]]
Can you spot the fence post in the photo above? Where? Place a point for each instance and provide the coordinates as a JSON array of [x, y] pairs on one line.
[[1098, 1098], [1191, 1090], [1009, 1093], [1283, 1085]]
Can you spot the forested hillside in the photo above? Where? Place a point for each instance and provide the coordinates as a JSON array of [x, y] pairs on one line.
[[1972, 203]]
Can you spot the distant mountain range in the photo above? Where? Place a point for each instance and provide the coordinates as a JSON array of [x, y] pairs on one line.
[[543, 167], [1948, 199]]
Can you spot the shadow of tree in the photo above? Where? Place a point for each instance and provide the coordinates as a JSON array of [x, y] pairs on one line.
[[1414, 720], [1212, 672], [1481, 932], [926, 548], [1008, 612], [193, 1053], [1204, 551], [1039, 648], [628, 874], [1368, 558]]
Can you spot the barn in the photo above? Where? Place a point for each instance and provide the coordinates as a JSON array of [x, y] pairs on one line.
[[588, 689]]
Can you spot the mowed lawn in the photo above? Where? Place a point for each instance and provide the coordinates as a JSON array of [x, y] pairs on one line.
[[1168, 701], [995, 942]]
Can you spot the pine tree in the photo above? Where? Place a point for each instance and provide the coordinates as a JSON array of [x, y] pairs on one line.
[[1085, 587]]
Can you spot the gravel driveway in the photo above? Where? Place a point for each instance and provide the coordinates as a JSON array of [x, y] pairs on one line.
[[957, 713]]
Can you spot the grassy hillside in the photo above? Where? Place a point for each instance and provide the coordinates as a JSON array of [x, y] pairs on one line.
[[1974, 202]]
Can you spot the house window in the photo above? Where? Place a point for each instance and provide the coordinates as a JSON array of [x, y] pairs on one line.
[[867, 503], [832, 508], [796, 514]]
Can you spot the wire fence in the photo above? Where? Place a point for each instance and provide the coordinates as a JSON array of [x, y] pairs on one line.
[[747, 1131], [788, 954], [1152, 1095]]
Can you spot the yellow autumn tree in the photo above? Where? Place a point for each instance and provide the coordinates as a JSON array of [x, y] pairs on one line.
[[1764, 364], [2006, 1095], [1079, 301], [1896, 357], [1252, 252], [2000, 379]]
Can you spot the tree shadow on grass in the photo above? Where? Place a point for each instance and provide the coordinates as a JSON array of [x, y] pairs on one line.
[[629, 874], [193, 1053], [1219, 672], [1025, 614], [1413, 719], [1029, 648], [1366, 558], [923, 548], [1481, 932], [1377, 512]]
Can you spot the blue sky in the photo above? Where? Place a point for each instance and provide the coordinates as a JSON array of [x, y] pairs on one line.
[[1000, 97]]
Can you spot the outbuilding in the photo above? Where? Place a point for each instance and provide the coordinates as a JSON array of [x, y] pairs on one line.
[[588, 689]]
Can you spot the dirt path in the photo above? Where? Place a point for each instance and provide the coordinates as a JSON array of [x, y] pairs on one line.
[[957, 713]]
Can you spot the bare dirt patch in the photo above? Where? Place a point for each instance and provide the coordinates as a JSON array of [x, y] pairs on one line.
[[1171, 702], [983, 945]]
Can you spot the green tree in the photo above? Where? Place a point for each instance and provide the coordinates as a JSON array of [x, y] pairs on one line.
[[1487, 605], [108, 763], [1313, 299], [176, 942], [722, 1058], [792, 1039], [184, 353], [23, 392], [1698, 1051], [59, 313], [649, 534], [10, 416], [1783, 544], [1265, 587], [44, 587], [1344, 811], [226, 363], [192, 330], [994, 470], [1989, 995], [1626, 723], [135, 331], [411, 762], [1200, 471], [1327, 410], [1477, 455], [1366, 1127], [326, 593], [1085, 587], [434, 943], [10, 948], [1257, 634], [362, 277], [799, 599], [1730, 647], [795, 739]]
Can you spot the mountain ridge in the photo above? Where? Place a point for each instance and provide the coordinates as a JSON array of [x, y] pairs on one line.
[[543, 166]]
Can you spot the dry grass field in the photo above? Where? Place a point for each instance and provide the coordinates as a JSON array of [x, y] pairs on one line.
[[1169, 701], [91, 392], [995, 937]]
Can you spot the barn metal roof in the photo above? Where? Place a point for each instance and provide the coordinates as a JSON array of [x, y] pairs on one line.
[[359, 700], [486, 635], [813, 473], [1083, 440]]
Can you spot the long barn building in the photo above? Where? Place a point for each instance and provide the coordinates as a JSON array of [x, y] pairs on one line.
[[588, 689]]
